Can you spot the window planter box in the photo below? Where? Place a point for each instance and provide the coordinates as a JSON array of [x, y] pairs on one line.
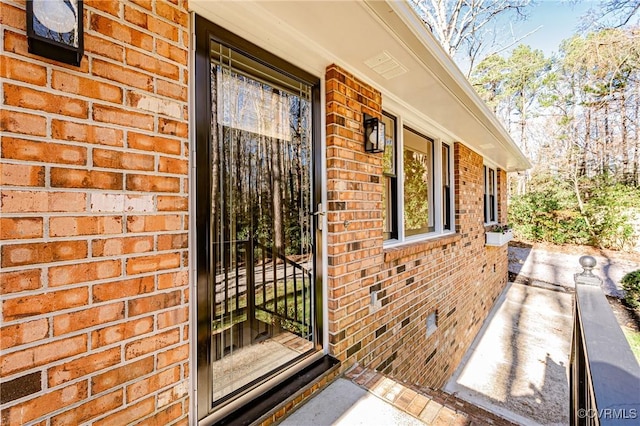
[[497, 239]]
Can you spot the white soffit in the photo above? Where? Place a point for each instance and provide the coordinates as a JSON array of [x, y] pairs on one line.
[[384, 44]]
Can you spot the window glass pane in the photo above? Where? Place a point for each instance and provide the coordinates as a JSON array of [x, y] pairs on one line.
[[492, 208], [418, 184], [446, 175], [486, 194], [489, 194], [446, 187], [389, 156], [492, 178], [388, 216], [492, 195], [389, 180]]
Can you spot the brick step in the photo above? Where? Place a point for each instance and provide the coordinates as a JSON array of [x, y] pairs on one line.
[[431, 406]]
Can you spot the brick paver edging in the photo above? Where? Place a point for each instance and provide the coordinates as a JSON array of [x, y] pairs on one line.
[[433, 407]]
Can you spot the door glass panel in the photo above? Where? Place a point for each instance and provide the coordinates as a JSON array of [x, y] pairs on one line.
[[262, 233]]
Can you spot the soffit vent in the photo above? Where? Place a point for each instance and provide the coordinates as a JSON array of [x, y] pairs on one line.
[[385, 65]]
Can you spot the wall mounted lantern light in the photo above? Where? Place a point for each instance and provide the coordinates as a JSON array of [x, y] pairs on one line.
[[55, 30], [373, 134]]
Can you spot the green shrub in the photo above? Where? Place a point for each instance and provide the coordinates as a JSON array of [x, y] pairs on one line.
[[631, 286], [550, 212], [607, 207]]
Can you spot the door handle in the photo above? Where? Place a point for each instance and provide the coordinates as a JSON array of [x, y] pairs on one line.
[[319, 213]]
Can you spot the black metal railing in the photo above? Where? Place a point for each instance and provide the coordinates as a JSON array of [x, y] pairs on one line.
[[254, 283], [231, 281], [604, 373], [287, 294]]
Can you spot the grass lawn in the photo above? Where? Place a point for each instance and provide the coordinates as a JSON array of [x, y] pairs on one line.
[[633, 337]]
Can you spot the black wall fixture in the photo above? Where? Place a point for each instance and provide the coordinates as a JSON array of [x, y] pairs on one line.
[[55, 30]]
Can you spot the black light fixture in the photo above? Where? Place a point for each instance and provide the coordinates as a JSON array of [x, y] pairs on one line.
[[373, 134], [55, 30]]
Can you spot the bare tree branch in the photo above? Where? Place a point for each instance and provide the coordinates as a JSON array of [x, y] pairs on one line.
[[612, 14], [464, 25]]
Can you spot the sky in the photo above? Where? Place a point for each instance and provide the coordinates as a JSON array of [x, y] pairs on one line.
[[558, 20], [549, 22]]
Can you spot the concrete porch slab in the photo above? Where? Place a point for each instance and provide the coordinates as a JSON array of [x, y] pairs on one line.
[[366, 397], [345, 403]]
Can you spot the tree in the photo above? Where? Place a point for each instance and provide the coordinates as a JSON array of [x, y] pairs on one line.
[[601, 71], [488, 79], [613, 14], [591, 97], [577, 116], [527, 69], [581, 106], [466, 25], [511, 86]]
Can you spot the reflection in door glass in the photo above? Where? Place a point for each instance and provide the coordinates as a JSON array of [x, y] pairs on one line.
[[262, 249]]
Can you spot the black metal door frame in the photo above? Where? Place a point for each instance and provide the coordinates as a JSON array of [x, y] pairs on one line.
[[205, 32]]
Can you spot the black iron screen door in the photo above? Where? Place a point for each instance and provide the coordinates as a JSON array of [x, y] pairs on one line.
[[256, 282]]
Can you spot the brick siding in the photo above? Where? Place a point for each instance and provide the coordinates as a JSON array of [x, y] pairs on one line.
[[94, 223], [94, 231], [454, 276]]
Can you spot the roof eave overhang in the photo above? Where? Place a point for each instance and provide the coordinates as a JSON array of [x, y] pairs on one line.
[[447, 72], [432, 92]]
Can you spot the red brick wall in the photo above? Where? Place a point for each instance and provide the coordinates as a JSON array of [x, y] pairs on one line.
[[354, 195], [94, 220], [455, 276]]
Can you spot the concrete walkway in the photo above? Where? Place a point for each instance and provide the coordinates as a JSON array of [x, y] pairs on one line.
[[558, 268], [517, 365]]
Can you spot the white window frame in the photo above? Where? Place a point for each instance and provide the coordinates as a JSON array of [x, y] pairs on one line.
[[403, 126], [486, 178]]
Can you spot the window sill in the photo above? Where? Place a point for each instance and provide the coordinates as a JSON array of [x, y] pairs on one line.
[[413, 247]]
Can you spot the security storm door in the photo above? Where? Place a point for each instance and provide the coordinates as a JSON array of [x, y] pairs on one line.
[[257, 292]]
